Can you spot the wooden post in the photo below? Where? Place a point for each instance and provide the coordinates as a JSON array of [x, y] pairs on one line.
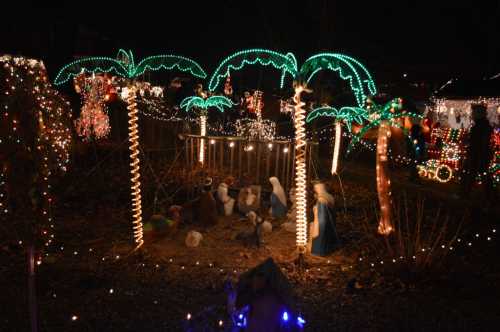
[[239, 158], [221, 157], [258, 162], [283, 169], [186, 151], [153, 141], [161, 142], [231, 151], [277, 161], [196, 154], [268, 161], [32, 288], [293, 166], [287, 172], [209, 161], [247, 154], [192, 153], [214, 159]]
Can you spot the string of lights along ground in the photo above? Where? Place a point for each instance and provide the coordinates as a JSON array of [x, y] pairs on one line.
[[373, 263]]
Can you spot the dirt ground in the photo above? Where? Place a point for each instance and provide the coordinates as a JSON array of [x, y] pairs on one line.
[[97, 283]]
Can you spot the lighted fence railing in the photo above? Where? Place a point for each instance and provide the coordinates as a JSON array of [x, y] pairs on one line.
[[237, 156]]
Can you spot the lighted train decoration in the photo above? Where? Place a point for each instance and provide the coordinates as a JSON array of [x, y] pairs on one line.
[[433, 169]]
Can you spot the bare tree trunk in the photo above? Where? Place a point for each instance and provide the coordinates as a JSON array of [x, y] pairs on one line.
[[32, 289], [383, 181]]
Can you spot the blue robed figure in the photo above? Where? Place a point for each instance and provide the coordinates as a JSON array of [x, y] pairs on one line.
[[278, 199], [324, 229]]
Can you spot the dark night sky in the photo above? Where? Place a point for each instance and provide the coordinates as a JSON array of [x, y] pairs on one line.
[[429, 40]]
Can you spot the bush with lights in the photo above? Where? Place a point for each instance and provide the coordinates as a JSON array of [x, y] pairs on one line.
[[35, 139]]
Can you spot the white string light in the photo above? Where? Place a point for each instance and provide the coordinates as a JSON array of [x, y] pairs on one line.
[[383, 182], [135, 168], [300, 173], [336, 149], [203, 133]]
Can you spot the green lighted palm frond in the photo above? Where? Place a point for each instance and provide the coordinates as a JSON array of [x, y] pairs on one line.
[[359, 136], [218, 102], [363, 73], [388, 112], [124, 66], [347, 114], [127, 58], [347, 68], [170, 62], [90, 65], [193, 101], [284, 62]]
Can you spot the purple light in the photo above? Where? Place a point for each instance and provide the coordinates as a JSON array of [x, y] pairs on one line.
[[285, 316]]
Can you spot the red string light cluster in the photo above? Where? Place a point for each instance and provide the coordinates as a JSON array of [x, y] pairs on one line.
[[93, 120]]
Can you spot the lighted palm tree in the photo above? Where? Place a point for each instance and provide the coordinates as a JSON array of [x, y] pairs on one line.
[[204, 104], [348, 69], [346, 115], [384, 117], [124, 66]]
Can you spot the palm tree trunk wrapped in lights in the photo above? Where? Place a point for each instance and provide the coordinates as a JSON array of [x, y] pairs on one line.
[[125, 66], [383, 181], [204, 104], [135, 173], [347, 115], [203, 133], [383, 117], [336, 147], [300, 173], [348, 68]]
